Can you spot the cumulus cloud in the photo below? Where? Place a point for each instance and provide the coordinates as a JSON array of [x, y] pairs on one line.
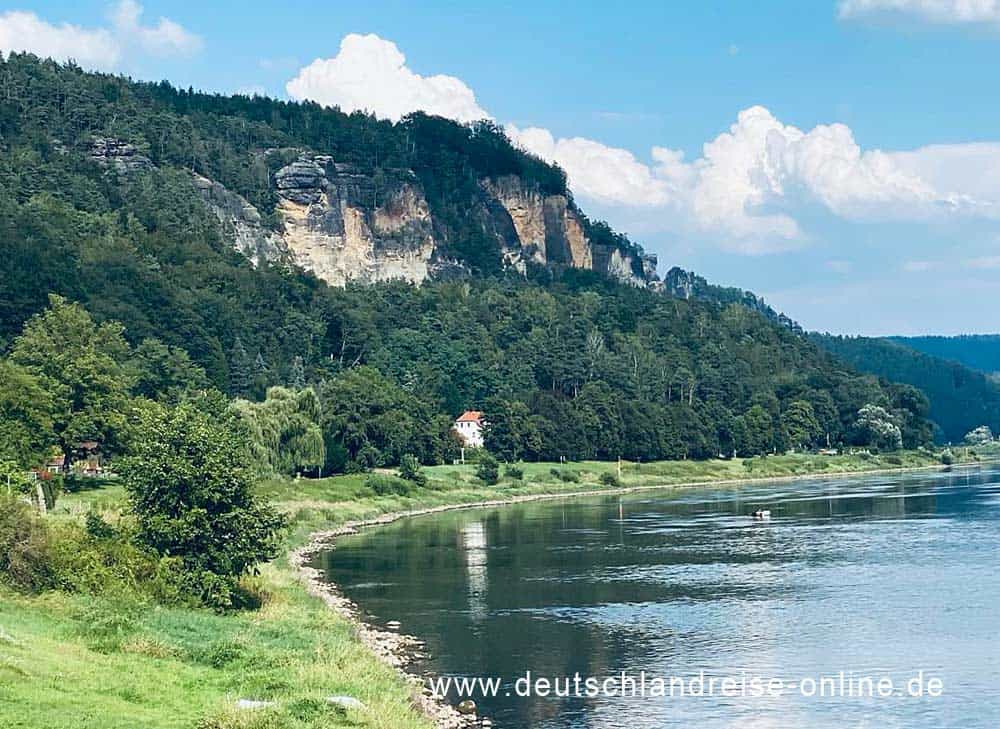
[[24, 31], [597, 171], [938, 12], [370, 74], [750, 190], [102, 48], [752, 180]]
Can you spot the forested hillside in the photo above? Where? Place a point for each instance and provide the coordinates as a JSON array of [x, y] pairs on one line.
[[978, 351], [566, 362], [961, 399]]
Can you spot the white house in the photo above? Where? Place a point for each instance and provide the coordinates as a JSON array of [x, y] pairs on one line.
[[469, 426]]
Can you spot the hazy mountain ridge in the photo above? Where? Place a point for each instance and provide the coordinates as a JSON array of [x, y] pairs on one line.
[[978, 351]]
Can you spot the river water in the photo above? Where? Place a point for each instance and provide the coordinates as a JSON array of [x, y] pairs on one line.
[[878, 577]]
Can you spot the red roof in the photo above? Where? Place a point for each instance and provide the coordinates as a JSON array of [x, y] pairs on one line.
[[470, 416]]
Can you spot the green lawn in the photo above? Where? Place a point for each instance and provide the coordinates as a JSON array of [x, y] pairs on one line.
[[75, 661]]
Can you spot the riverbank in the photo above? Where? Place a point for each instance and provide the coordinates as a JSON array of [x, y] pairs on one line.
[[177, 667]]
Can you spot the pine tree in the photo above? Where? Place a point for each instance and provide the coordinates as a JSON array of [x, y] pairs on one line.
[[297, 376], [239, 370]]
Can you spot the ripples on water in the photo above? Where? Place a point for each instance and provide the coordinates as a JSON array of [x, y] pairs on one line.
[[878, 575]]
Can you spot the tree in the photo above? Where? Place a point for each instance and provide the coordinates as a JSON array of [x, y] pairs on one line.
[[82, 366], [26, 434], [488, 470], [509, 433], [240, 375], [759, 431], [297, 374], [165, 373], [877, 428], [979, 436], [193, 499], [800, 424], [285, 432]]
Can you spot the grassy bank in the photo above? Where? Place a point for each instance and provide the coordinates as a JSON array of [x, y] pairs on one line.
[[77, 661]]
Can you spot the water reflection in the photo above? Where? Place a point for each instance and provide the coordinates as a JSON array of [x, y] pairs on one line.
[[889, 573], [474, 543]]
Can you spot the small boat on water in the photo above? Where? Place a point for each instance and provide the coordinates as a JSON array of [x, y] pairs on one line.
[[761, 514]]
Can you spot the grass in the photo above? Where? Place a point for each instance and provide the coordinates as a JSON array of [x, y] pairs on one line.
[[82, 662]]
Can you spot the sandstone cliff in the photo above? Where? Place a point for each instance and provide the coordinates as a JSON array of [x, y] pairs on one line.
[[344, 225]]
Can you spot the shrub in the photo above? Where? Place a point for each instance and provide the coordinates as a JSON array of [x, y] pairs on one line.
[[409, 470], [27, 558], [565, 476], [894, 460], [193, 498], [386, 485], [609, 479], [515, 473], [947, 457], [488, 470], [96, 526]]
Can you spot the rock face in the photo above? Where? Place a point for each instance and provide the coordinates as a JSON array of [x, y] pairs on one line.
[[120, 156], [241, 223], [548, 230], [344, 226], [347, 226]]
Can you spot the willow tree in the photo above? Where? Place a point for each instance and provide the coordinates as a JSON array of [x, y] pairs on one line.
[[284, 430]]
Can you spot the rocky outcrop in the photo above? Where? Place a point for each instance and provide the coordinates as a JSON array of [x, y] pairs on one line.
[[344, 226], [689, 285], [548, 229], [241, 222], [119, 156]]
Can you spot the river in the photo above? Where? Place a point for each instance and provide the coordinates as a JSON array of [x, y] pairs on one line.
[[854, 579]]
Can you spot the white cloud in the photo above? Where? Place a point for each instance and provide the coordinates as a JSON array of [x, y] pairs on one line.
[[370, 74], [752, 189], [938, 12], [602, 173], [166, 38], [22, 31], [102, 48], [752, 181]]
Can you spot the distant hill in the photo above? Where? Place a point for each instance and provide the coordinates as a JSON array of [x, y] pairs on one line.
[[978, 351], [961, 398], [279, 242]]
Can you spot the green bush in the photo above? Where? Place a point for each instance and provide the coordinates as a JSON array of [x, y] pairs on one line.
[[515, 473], [609, 479], [193, 498], [894, 460], [409, 470], [27, 556], [947, 457], [565, 476], [386, 485], [488, 470]]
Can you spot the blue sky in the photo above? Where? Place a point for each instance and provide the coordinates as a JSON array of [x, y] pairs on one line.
[[825, 192]]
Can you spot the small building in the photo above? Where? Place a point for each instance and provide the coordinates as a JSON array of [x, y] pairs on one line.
[[56, 464], [469, 427]]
